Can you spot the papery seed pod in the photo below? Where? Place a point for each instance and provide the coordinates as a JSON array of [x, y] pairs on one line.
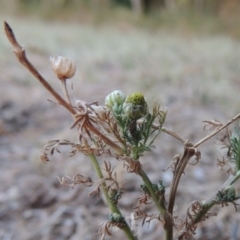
[[135, 106], [63, 67], [114, 100]]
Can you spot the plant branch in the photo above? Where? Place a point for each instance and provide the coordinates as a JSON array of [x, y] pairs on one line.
[[22, 58], [216, 131], [179, 169], [149, 185], [208, 204], [104, 138], [165, 130], [160, 206], [173, 134], [65, 91], [113, 207], [230, 181]]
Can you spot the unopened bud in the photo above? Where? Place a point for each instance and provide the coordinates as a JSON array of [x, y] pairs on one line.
[[115, 100], [63, 67]]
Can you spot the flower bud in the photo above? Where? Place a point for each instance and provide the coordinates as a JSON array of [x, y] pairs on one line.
[[135, 106], [63, 67], [115, 100]]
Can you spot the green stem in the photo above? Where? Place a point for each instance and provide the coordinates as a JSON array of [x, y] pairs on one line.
[[111, 205], [169, 233], [210, 203], [160, 206], [205, 208], [149, 185], [230, 181], [207, 205]]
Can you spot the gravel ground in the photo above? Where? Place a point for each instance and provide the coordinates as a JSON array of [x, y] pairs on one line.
[[196, 77]]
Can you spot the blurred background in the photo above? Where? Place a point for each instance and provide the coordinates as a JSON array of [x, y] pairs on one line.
[[182, 53]]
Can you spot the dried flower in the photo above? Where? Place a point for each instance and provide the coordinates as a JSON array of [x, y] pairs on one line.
[[63, 67], [135, 106]]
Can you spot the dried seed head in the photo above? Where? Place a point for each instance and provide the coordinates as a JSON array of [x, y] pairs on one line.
[[63, 67], [135, 106]]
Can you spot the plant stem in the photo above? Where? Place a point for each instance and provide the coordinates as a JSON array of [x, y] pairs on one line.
[[148, 183], [65, 91], [230, 181], [173, 134], [217, 131], [19, 51], [182, 163], [113, 207], [160, 206], [207, 205], [169, 233], [108, 141]]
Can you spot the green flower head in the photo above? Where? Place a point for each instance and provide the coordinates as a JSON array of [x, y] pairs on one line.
[[115, 100], [135, 106], [136, 99]]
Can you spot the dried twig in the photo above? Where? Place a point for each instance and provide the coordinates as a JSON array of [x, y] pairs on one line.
[[216, 131], [20, 53]]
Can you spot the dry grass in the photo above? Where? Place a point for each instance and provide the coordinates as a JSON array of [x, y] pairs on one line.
[[196, 77]]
